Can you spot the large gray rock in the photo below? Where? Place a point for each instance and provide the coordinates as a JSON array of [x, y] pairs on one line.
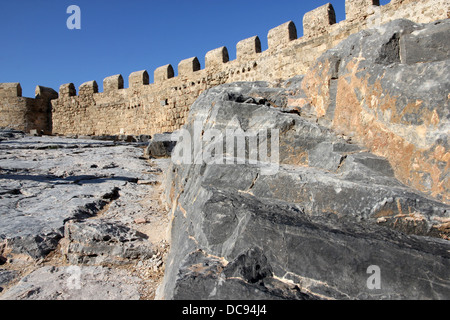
[[160, 146], [318, 222], [248, 277], [10, 134], [318, 256]]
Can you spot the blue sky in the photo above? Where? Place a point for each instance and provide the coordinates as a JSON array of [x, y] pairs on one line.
[[116, 37]]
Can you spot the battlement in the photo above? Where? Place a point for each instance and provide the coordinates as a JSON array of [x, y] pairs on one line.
[[360, 9], [216, 57], [188, 66], [282, 35], [318, 21], [138, 78], [88, 88], [8, 90], [248, 48], [164, 73], [45, 93], [67, 90], [113, 83]]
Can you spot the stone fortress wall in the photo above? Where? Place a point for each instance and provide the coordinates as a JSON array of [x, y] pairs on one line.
[[162, 106], [26, 114]]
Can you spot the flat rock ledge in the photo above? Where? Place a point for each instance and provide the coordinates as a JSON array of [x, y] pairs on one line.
[[76, 283]]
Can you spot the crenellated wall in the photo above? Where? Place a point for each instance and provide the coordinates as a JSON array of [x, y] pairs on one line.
[[162, 106]]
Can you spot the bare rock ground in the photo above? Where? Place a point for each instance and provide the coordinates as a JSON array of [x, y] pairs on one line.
[[79, 219]]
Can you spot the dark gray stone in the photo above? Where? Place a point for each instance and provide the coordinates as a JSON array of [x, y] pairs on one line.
[[72, 181], [160, 146], [426, 45], [204, 277], [252, 266], [10, 134]]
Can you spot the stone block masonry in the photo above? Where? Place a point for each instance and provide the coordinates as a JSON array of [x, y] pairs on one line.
[[26, 114], [162, 106]]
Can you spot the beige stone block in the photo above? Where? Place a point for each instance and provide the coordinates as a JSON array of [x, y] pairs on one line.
[[282, 35], [359, 9], [10, 90], [88, 88], [138, 78]]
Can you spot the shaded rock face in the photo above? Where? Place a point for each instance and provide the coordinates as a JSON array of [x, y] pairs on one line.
[[6, 276], [100, 242], [318, 226], [388, 89]]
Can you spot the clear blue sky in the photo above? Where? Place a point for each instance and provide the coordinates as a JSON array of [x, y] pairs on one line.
[[126, 36]]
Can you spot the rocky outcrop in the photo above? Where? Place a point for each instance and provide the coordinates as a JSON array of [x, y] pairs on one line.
[[315, 218], [387, 88], [6, 276]]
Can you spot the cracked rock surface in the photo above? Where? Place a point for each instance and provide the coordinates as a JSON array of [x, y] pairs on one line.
[[79, 203]]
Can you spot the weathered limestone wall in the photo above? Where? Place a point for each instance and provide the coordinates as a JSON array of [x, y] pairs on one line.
[[162, 106], [25, 114]]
